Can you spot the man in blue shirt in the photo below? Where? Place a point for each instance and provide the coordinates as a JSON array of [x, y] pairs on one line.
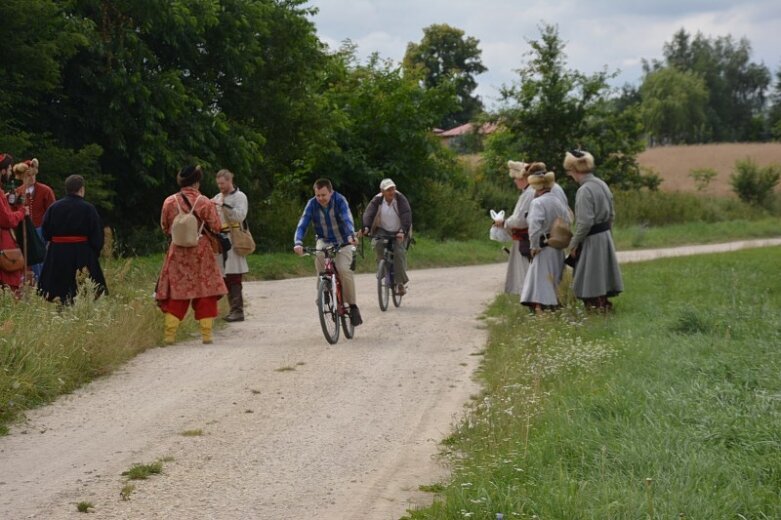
[[330, 214]]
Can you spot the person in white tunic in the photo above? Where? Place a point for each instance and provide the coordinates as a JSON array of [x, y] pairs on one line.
[[544, 276], [232, 208], [597, 274], [517, 228]]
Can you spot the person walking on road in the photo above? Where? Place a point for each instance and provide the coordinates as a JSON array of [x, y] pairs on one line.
[[232, 209], [190, 275]]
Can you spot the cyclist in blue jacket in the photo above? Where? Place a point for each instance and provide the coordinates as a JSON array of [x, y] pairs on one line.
[[330, 214]]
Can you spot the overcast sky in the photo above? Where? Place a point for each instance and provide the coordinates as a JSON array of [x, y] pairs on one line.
[[615, 34]]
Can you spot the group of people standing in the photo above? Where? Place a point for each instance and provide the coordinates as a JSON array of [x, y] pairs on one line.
[[195, 274], [540, 229], [69, 227]]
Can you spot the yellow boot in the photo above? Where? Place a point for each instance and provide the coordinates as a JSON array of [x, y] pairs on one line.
[[206, 329], [171, 324]]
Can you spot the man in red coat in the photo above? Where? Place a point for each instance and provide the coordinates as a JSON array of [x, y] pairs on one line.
[[35, 195]]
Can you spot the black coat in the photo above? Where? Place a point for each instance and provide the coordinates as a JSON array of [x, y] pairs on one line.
[[71, 216]]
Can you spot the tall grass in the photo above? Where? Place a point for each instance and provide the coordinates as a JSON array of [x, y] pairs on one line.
[[667, 409], [47, 350]]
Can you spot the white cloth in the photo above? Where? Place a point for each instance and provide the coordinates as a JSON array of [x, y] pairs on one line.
[[389, 216], [518, 264], [545, 270], [237, 212]]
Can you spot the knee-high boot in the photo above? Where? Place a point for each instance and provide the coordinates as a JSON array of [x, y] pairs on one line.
[[236, 300], [207, 325], [171, 325]]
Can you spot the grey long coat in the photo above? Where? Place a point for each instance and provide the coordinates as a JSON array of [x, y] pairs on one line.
[[597, 273], [544, 274]]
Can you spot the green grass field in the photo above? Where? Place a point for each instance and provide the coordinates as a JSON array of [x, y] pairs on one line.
[[669, 408]]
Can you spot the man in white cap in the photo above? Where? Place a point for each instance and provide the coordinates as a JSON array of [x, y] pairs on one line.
[[389, 215]]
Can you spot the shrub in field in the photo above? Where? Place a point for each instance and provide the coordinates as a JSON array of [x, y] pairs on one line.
[[448, 212], [754, 184], [702, 177]]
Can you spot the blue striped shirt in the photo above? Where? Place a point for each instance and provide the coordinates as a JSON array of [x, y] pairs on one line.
[[333, 223]]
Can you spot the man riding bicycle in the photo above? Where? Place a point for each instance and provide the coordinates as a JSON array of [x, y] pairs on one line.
[[330, 214], [389, 215]]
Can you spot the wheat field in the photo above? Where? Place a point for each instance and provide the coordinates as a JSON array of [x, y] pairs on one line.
[[673, 163]]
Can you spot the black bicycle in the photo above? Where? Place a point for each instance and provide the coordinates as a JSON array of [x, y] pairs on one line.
[[330, 306], [386, 283]]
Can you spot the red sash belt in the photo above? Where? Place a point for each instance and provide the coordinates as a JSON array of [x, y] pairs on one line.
[[64, 239], [519, 233]]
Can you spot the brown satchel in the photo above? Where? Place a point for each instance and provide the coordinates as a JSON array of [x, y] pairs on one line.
[[11, 260], [241, 240]]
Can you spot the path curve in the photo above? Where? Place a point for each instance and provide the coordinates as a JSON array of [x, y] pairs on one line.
[[350, 433]]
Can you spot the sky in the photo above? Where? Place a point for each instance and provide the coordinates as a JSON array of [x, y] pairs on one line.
[[612, 35]]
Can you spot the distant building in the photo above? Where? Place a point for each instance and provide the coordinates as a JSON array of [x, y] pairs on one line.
[[464, 139]]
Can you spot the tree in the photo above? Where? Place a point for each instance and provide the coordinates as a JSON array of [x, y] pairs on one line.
[[774, 115], [552, 109], [673, 105], [446, 55], [736, 86]]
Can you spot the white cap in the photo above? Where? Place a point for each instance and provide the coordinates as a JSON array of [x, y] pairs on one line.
[[387, 183]]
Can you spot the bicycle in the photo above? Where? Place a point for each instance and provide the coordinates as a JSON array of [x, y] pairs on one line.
[[386, 283], [331, 308]]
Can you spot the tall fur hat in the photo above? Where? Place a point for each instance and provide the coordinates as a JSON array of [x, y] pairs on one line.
[[536, 168], [542, 181], [29, 167], [579, 161], [189, 175], [517, 169], [6, 161]]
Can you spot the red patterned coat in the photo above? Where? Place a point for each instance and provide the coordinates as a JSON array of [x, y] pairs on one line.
[[9, 219], [190, 272]]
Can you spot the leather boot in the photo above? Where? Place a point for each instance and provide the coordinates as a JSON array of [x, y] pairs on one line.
[[207, 324], [236, 300], [171, 325]]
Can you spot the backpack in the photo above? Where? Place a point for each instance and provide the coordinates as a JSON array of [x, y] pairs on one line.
[[185, 231]]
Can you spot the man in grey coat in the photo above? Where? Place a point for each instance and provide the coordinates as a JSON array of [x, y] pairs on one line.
[[597, 274], [232, 208], [389, 215]]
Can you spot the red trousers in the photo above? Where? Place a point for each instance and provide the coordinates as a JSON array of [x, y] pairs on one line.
[[203, 307]]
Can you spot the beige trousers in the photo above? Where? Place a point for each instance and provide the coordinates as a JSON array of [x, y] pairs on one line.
[[343, 260]]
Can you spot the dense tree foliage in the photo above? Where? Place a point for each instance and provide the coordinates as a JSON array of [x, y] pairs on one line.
[[737, 87], [674, 105], [552, 109], [445, 55]]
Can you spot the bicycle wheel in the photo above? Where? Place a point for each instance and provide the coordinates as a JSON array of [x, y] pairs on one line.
[[326, 306], [347, 326], [396, 297], [383, 290]]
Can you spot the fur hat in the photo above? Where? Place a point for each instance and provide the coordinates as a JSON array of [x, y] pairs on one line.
[[579, 161], [517, 169], [536, 168], [29, 167], [542, 181], [189, 175]]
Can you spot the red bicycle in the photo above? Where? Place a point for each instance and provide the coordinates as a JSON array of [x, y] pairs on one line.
[[330, 306]]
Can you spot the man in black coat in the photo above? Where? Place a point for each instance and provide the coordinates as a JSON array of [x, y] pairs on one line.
[[75, 235]]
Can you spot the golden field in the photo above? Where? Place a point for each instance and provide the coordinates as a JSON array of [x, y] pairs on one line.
[[673, 163]]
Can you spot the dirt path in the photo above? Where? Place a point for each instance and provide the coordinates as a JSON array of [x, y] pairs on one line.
[[350, 433]]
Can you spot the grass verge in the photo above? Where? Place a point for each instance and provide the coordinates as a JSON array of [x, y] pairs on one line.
[[670, 408], [643, 237]]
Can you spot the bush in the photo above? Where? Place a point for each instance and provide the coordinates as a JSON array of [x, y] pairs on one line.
[[653, 208], [702, 177], [754, 184], [448, 212]]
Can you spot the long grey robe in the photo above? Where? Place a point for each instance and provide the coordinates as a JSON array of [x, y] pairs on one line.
[[518, 264], [597, 273], [545, 270], [237, 212]]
